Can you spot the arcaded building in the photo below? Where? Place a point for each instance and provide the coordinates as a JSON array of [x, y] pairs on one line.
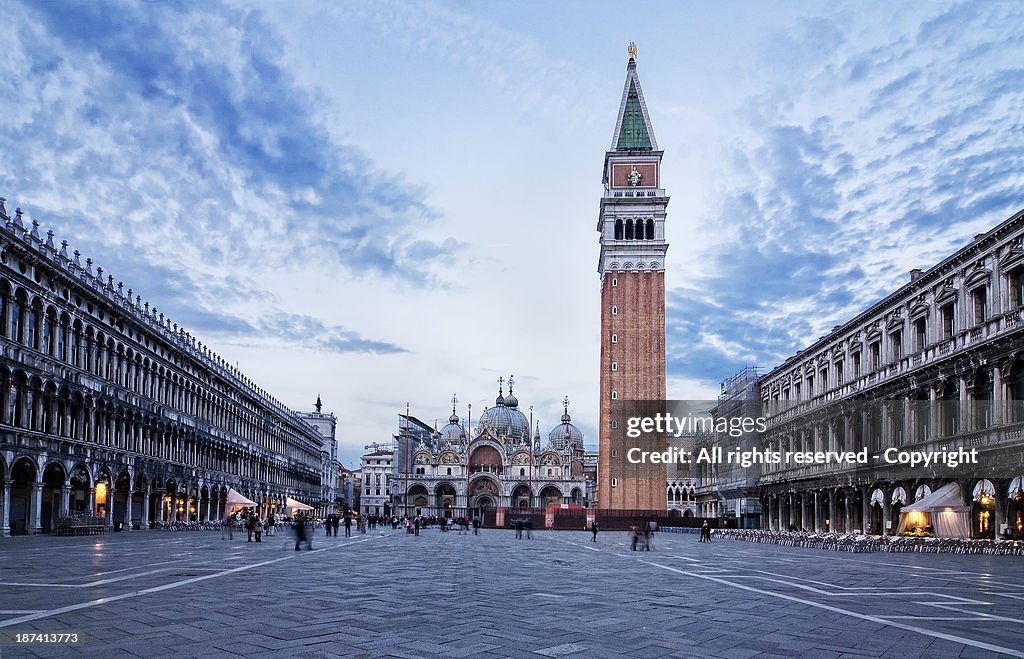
[[936, 367], [108, 408]]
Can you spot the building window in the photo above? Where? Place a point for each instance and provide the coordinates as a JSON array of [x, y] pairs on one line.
[[615, 282], [615, 338], [979, 298], [810, 386], [896, 339], [920, 333], [948, 321], [615, 310], [615, 423], [1015, 281], [856, 364], [615, 482], [615, 366], [522, 472], [615, 395], [615, 452], [875, 352], [449, 471]]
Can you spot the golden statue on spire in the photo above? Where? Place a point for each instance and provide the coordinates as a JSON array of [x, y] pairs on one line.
[[632, 50]]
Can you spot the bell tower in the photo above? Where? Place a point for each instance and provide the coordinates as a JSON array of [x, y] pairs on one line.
[[631, 224]]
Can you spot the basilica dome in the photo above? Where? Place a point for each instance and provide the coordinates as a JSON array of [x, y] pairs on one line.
[[566, 435], [453, 431], [505, 420]]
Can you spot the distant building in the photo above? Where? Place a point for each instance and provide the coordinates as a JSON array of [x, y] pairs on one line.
[[327, 426], [108, 408], [495, 466], [936, 366], [377, 469]]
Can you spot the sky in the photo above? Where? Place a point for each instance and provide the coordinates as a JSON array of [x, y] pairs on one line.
[[387, 203]]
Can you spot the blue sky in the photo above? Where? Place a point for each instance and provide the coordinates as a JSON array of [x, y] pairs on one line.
[[389, 202]]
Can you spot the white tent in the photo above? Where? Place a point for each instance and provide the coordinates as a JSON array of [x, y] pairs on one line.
[[292, 504], [236, 499], [944, 508]]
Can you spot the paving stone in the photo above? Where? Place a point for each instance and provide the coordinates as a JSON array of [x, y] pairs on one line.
[[460, 596]]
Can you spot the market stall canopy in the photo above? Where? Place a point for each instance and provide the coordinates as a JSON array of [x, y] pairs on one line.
[[946, 498], [236, 498], [296, 505]]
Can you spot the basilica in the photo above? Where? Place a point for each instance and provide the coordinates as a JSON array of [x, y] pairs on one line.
[[505, 468]]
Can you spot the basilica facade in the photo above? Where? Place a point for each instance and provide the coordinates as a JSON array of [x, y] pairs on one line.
[[108, 409], [496, 465]]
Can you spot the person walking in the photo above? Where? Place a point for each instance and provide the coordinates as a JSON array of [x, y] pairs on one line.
[[593, 529], [250, 525], [271, 523], [335, 522], [519, 529], [705, 532], [634, 536], [476, 526], [228, 527], [348, 525], [529, 528]]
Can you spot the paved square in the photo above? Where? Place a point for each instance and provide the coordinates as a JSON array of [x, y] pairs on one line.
[[444, 594]]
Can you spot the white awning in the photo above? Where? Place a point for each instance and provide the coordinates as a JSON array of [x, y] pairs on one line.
[[296, 505], [946, 498], [236, 498]]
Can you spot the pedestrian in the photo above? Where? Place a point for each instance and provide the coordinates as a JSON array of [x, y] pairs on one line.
[[250, 525], [476, 526], [271, 523], [228, 527], [257, 527], [634, 536], [335, 523], [416, 525], [519, 529], [705, 532], [648, 535], [529, 528], [593, 529], [300, 532], [348, 525]]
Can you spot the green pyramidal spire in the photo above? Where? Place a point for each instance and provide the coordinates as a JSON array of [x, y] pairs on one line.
[[633, 129]]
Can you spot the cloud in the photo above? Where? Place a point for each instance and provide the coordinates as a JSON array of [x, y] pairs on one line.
[[903, 141], [176, 120]]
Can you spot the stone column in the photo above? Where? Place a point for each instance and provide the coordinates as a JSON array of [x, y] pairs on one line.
[[865, 509], [5, 519], [997, 509], [886, 513], [128, 510], [767, 513], [803, 511], [37, 508], [110, 506], [65, 499], [816, 516], [996, 417], [146, 502]]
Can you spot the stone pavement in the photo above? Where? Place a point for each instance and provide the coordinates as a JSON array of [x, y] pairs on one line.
[[155, 594]]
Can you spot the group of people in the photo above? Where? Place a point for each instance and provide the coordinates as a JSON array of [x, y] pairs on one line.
[[251, 522], [524, 525], [640, 532]]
